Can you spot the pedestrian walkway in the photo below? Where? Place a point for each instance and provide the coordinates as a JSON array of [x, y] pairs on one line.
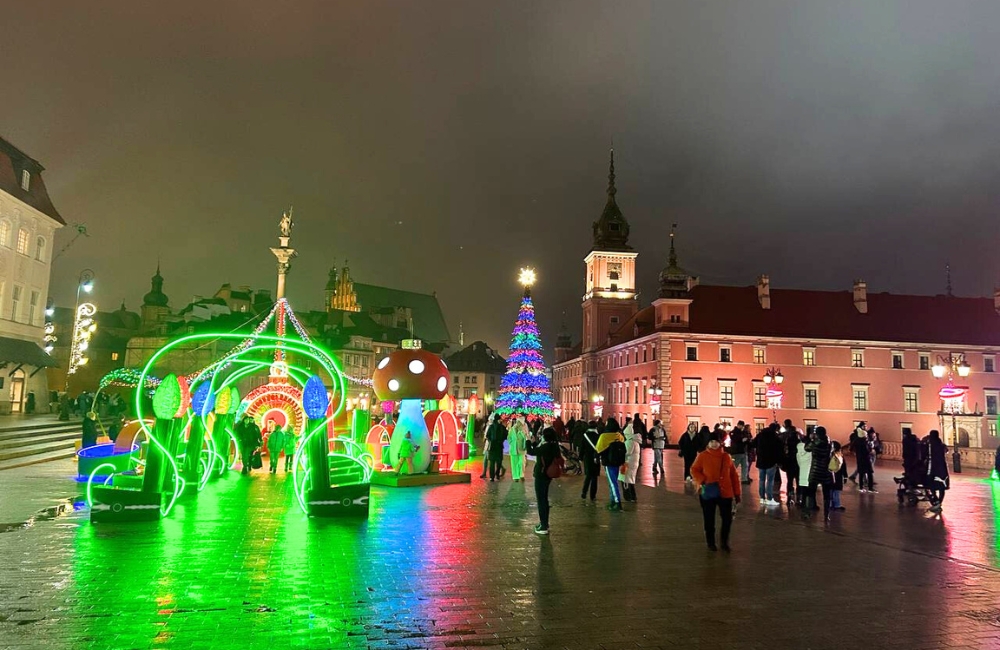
[[457, 566]]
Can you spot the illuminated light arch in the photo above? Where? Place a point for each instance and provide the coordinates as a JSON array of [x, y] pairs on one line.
[[376, 441], [445, 429]]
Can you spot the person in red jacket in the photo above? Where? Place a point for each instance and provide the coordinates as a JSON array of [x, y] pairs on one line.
[[719, 481]]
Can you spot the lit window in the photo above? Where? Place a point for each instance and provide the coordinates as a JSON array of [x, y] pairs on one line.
[[726, 395], [759, 396], [5, 233], [857, 358], [25, 180], [114, 356], [811, 397], [22, 241], [691, 394], [758, 425], [808, 356], [758, 354], [993, 428], [911, 403], [897, 360], [860, 398]]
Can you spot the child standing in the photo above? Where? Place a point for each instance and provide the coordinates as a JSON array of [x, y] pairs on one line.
[[275, 445], [291, 443]]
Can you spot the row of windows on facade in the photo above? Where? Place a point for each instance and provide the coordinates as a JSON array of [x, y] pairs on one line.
[[356, 360], [465, 393], [631, 357], [23, 240], [810, 397], [810, 425], [629, 392], [17, 298], [474, 379], [809, 357]]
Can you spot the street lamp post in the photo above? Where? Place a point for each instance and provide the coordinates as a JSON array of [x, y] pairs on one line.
[[952, 397], [84, 325], [773, 379]]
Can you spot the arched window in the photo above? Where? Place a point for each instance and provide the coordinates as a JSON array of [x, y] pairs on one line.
[[4, 232], [22, 241], [40, 249]]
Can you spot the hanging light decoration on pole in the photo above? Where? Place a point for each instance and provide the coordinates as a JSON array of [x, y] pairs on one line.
[[952, 397], [773, 379], [84, 326]]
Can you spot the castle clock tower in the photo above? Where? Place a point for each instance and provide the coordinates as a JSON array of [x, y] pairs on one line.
[[611, 297]]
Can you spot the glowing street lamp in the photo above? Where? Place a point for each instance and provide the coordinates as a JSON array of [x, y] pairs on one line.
[[84, 326], [952, 397]]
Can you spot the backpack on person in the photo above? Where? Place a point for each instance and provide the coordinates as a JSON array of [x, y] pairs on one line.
[[556, 468], [616, 454], [836, 462]]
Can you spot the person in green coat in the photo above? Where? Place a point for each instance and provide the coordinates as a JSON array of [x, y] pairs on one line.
[[291, 443], [275, 445]]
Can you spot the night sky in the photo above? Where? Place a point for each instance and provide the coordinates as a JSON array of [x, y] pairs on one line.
[[441, 145]]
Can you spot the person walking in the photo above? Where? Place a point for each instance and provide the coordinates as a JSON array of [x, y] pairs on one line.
[[633, 451], [659, 436], [688, 449], [546, 453], [591, 468], [859, 432], [820, 476], [275, 445], [495, 435], [715, 474], [738, 450], [803, 460], [291, 444], [768, 454], [862, 456], [839, 469], [517, 439], [937, 469], [90, 433], [250, 442], [611, 449]]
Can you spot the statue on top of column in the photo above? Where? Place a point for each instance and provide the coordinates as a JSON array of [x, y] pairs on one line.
[[286, 223]]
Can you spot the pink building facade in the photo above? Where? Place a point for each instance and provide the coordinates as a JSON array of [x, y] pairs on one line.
[[699, 353]]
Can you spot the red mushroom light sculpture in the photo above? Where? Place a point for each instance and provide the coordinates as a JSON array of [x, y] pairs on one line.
[[411, 375]]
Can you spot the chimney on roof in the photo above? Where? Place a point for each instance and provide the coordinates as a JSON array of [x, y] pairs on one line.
[[861, 296], [764, 291]]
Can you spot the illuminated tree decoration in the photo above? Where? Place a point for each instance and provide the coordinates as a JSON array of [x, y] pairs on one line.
[[234, 399], [315, 399], [167, 398], [524, 388], [203, 399]]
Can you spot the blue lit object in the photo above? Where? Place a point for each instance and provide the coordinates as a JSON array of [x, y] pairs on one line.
[[88, 458], [315, 399], [203, 400]]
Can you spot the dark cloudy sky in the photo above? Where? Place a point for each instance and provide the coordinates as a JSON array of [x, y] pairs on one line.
[[441, 145]]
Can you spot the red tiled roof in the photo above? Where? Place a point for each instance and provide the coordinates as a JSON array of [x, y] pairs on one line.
[[830, 315], [12, 162]]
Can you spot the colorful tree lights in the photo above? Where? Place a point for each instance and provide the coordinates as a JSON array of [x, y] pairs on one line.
[[524, 388]]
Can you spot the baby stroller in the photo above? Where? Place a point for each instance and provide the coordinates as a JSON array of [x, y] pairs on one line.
[[573, 464], [915, 484]]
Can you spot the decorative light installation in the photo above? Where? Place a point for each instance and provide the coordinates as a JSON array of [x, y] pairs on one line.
[[83, 328], [202, 402], [952, 398], [524, 388], [50, 337], [315, 400], [167, 398]]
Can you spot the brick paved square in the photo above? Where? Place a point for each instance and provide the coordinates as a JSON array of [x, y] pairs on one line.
[[457, 566]]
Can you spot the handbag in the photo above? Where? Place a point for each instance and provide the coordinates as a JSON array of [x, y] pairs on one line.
[[711, 491], [255, 460], [555, 468]]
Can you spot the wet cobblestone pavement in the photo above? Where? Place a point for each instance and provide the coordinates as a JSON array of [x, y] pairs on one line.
[[458, 566]]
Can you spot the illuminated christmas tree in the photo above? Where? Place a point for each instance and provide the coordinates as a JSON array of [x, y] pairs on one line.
[[524, 389]]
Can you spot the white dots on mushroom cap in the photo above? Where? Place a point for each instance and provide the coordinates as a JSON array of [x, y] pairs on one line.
[[383, 363], [416, 366], [394, 385], [443, 383]]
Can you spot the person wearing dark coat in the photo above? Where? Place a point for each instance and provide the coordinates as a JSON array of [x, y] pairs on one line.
[[90, 433], [704, 437], [250, 439], [839, 477], [862, 456], [688, 449], [769, 452], [789, 462], [588, 456], [546, 451], [937, 469], [495, 435], [820, 475], [911, 457]]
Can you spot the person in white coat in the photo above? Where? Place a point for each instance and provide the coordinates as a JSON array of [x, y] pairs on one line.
[[804, 460], [517, 439], [633, 450]]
